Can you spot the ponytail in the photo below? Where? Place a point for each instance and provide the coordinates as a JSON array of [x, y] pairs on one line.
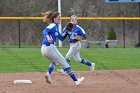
[[49, 16]]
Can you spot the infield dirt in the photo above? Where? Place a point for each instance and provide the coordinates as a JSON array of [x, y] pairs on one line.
[[103, 81]]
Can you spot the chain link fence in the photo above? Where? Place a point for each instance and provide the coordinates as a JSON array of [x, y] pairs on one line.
[[28, 33]]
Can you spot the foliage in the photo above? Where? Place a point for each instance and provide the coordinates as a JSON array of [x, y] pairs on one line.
[[111, 35]]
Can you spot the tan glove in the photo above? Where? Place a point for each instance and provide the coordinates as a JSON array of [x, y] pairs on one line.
[[78, 37]]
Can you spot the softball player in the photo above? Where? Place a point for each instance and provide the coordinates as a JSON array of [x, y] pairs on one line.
[[49, 49], [74, 38]]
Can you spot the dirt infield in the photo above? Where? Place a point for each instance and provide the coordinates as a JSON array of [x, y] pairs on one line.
[[116, 81]]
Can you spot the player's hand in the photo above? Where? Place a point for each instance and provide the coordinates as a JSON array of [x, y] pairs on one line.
[[49, 39], [77, 37]]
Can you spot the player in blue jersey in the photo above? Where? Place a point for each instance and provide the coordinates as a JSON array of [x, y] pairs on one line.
[[49, 49], [74, 36]]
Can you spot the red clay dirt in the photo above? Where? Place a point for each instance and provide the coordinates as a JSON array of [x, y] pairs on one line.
[[112, 81]]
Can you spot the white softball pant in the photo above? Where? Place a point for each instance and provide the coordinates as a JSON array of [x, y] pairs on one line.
[[52, 53], [74, 51]]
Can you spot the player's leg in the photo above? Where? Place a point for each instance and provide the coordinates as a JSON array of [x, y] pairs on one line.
[[69, 54], [83, 61], [61, 60], [49, 72], [74, 47], [80, 60], [51, 67], [45, 53]]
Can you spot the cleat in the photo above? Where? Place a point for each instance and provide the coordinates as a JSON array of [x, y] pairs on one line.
[[92, 67], [79, 81], [61, 71], [48, 78]]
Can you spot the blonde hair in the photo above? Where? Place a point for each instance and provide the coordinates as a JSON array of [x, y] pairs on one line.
[[49, 16], [73, 19]]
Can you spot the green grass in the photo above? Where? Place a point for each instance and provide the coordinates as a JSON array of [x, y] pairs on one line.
[[31, 60]]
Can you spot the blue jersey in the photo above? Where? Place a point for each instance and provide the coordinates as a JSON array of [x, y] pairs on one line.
[[77, 30], [52, 31]]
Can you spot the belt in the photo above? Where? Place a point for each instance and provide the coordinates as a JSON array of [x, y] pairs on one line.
[[74, 41], [46, 45]]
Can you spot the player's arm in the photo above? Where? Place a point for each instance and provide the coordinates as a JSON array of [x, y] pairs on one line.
[[46, 32], [68, 28], [81, 35], [84, 37], [64, 33], [60, 37]]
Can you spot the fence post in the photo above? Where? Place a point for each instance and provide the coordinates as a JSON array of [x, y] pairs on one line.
[[139, 28], [19, 33], [124, 33]]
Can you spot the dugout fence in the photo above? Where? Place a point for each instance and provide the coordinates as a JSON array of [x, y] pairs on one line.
[[27, 31]]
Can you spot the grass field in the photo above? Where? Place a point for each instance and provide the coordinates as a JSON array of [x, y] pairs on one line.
[[31, 60]]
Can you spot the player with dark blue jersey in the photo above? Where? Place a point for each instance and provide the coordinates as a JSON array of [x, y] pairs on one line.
[[77, 30], [49, 49], [52, 31], [74, 36]]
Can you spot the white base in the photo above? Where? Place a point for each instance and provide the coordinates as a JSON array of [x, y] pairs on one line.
[[22, 81]]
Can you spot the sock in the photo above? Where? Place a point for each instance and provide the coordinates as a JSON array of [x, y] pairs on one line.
[[70, 72], [83, 61], [68, 60], [51, 67]]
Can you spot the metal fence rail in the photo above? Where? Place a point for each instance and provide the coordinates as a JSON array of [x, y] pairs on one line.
[[123, 19]]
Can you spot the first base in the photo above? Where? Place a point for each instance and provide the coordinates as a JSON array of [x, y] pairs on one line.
[[22, 81]]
